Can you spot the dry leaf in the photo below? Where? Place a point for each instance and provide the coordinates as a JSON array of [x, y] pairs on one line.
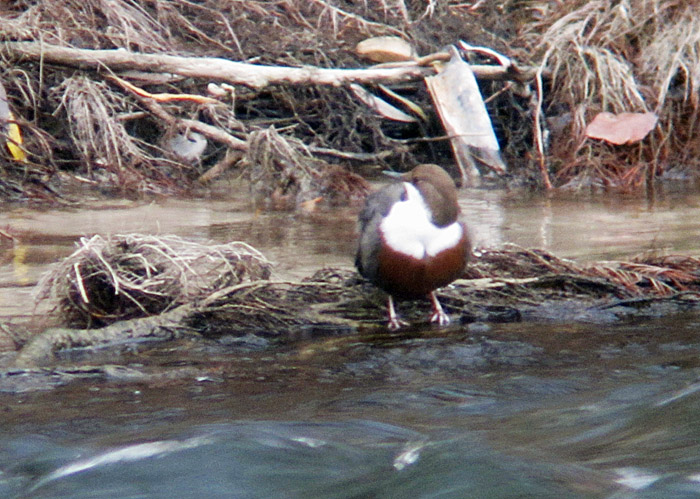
[[380, 106], [415, 108], [623, 128], [10, 129], [14, 140], [461, 109], [386, 49]]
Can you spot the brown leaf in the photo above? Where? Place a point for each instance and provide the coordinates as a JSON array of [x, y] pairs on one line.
[[623, 128]]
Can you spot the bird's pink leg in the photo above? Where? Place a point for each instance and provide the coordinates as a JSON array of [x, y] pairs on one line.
[[439, 314], [394, 321]]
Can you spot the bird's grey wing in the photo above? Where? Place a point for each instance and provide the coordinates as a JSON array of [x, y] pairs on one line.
[[380, 202], [376, 208]]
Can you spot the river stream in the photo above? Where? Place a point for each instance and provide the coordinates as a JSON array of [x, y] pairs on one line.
[[525, 409]]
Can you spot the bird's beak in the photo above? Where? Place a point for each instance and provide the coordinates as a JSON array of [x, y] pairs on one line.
[[391, 174]]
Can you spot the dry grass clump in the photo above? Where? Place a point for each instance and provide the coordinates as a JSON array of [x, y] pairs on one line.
[[661, 276], [92, 111], [127, 276], [671, 59], [89, 23], [587, 54], [513, 261], [283, 174], [629, 56], [643, 276]]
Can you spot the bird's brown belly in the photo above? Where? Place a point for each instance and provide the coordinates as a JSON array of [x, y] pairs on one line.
[[407, 277]]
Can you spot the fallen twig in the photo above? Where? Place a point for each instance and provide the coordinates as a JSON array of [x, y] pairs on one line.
[[165, 97], [159, 111]]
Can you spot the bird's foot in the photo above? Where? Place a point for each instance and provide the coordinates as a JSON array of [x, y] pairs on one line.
[[394, 321], [440, 317], [439, 314]]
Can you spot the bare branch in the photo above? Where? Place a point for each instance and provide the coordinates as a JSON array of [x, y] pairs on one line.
[[213, 68]]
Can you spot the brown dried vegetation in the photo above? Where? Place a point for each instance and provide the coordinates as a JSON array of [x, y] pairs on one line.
[[626, 56], [148, 288], [130, 276], [123, 277]]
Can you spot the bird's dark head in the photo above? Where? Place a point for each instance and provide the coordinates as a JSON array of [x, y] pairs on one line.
[[438, 190]]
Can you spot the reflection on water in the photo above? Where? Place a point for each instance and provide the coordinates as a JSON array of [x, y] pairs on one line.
[[590, 228], [582, 227], [533, 409]]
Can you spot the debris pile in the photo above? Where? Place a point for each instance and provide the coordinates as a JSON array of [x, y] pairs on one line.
[[127, 276]]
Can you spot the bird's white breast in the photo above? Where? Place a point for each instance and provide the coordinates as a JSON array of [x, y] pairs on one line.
[[407, 228]]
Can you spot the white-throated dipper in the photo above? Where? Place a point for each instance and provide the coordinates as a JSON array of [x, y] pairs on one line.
[[412, 241]]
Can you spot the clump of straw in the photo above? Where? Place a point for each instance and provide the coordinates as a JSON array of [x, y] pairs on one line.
[[127, 276]]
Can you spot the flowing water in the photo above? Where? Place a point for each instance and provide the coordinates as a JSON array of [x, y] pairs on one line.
[[483, 410]]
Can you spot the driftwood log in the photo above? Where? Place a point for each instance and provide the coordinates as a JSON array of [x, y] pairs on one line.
[[42, 349], [251, 75]]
